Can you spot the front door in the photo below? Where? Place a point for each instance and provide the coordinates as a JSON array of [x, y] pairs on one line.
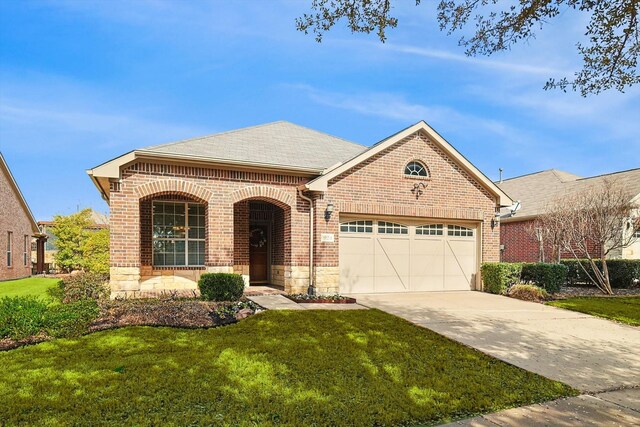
[[259, 254]]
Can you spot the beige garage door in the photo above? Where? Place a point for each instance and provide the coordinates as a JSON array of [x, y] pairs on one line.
[[386, 256]]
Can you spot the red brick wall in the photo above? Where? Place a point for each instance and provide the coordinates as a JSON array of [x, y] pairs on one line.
[[379, 187], [521, 246], [221, 190], [13, 218]]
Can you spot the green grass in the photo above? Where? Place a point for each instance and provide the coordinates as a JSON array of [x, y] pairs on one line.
[[622, 309], [36, 286], [361, 367]]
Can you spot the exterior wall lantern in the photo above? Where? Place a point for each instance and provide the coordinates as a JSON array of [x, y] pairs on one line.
[[495, 221], [328, 211]]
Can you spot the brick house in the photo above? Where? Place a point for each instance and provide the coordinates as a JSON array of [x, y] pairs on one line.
[[292, 207], [534, 192], [17, 227]]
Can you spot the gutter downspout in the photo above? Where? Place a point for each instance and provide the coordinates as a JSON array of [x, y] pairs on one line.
[[311, 290]]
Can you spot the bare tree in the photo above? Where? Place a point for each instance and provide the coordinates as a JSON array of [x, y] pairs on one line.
[[592, 224], [548, 231], [610, 54]]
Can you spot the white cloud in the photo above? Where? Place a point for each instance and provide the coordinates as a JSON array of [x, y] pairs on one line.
[[509, 66]]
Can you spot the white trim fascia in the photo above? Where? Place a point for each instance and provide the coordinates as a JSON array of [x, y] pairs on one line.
[[321, 183], [112, 168]]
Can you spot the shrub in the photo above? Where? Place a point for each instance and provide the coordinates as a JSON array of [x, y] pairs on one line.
[[528, 292], [221, 286], [622, 272], [548, 276], [21, 317], [70, 320], [83, 286], [499, 276]]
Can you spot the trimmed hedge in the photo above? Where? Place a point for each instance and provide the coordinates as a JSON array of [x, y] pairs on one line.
[[498, 277], [622, 272], [550, 277], [221, 286]]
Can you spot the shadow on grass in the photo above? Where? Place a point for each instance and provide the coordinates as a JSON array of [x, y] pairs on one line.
[[279, 367]]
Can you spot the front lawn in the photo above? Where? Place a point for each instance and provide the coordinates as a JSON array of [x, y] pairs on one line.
[[622, 309], [35, 286], [311, 367]]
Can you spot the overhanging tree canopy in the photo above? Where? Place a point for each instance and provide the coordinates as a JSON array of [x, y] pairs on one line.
[[610, 55]]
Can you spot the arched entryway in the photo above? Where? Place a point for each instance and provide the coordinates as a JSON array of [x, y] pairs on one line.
[[262, 241]]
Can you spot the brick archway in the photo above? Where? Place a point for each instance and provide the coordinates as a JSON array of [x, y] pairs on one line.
[[169, 186], [263, 192]]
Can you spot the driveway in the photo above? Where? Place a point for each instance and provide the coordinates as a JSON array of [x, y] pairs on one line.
[[588, 353]]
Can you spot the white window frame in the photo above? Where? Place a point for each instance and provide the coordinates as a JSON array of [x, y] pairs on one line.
[[25, 253], [9, 248], [186, 239], [357, 226], [423, 168], [385, 227], [430, 230], [459, 231]]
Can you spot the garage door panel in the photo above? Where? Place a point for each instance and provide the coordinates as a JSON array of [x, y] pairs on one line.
[[427, 283], [460, 264], [356, 245], [381, 262], [356, 284]]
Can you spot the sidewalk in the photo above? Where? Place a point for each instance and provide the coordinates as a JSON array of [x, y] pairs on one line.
[[613, 408]]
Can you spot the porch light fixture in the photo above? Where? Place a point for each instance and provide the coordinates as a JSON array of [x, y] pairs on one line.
[[495, 221], [328, 211]]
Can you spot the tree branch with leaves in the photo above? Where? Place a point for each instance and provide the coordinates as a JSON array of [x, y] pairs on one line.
[[609, 56]]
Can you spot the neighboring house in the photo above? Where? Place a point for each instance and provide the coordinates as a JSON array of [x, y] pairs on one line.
[[99, 221], [408, 214], [535, 192], [17, 228]]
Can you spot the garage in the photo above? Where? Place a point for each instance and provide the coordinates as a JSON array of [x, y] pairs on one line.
[[383, 255]]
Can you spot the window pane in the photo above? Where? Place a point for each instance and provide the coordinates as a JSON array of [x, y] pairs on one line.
[[158, 259]]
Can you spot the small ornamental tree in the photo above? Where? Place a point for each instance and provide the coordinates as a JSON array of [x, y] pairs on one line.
[[592, 224], [71, 234], [95, 252]]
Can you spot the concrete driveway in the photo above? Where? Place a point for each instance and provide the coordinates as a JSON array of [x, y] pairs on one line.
[[588, 353]]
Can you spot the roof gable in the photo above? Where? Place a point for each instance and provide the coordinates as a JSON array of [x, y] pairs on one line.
[[16, 190], [321, 183]]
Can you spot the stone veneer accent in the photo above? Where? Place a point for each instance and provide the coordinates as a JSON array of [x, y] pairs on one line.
[[327, 280]]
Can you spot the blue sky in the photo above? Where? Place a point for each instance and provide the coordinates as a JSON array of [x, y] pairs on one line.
[[82, 82]]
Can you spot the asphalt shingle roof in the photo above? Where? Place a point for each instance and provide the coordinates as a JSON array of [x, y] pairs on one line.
[[537, 190], [278, 144]]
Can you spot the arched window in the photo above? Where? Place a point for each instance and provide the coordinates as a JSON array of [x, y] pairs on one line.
[[416, 168]]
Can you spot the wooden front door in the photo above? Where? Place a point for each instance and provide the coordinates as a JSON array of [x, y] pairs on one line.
[[259, 253]]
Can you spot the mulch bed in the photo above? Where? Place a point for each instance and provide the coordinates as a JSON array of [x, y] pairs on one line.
[[592, 291], [165, 312], [153, 312], [320, 300]]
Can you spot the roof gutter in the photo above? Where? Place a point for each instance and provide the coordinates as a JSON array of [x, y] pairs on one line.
[[311, 289]]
